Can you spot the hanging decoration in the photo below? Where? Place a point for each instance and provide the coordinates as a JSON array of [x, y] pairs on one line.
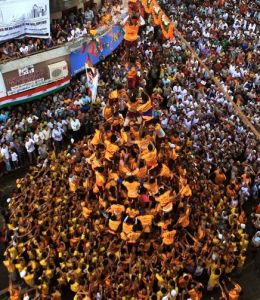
[[157, 14], [148, 5], [167, 27]]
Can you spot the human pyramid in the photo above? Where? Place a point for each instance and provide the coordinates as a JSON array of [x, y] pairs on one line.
[[125, 214], [115, 215]]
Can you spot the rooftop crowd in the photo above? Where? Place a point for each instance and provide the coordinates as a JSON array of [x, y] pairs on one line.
[[67, 29], [147, 200]]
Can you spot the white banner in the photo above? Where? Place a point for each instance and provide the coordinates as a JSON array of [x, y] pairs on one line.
[[20, 18]]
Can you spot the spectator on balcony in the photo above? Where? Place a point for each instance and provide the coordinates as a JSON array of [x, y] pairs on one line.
[[75, 32], [13, 50], [61, 40], [60, 32], [89, 14], [24, 49], [80, 16], [31, 46], [72, 18], [69, 37], [84, 30], [49, 43]]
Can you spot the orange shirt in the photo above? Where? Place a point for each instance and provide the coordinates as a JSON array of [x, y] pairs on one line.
[[107, 112], [100, 179], [132, 188], [124, 136], [140, 173], [164, 198], [111, 149], [96, 138], [150, 157], [184, 220], [165, 172], [113, 225], [86, 212], [146, 220], [127, 228], [234, 293], [220, 177], [168, 237], [133, 237], [152, 187], [117, 209]]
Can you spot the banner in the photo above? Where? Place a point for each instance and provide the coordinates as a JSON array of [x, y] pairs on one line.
[[36, 93], [96, 50], [35, 75], [24, 18]]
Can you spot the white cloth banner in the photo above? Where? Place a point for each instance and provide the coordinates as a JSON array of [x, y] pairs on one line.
[[20, 18], [92, 80]]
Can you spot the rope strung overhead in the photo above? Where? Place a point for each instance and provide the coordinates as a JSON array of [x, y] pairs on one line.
[[238, 111], [168, 29]]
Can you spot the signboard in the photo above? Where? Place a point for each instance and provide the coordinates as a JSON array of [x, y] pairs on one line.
[[24, 18], [33, 76], [96, 50]]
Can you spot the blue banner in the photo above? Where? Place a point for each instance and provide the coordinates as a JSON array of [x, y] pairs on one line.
[[96, 50]]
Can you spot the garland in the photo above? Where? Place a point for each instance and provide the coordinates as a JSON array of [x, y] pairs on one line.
[[157, 14], [167, 27], [159, 17], [148, 5]]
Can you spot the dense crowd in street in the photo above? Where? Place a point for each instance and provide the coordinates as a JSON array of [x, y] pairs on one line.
[[226, 37], [147, 200], [67, 29]]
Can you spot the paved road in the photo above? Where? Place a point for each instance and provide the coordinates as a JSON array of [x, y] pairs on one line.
[[249, 279]]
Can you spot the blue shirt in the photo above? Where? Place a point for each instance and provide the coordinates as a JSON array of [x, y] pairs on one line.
[[86, 100], [4, 117]]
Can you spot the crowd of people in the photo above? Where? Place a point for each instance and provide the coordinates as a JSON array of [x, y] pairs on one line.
[[148, 203], [29, 132], [69, 28], [226, 37]]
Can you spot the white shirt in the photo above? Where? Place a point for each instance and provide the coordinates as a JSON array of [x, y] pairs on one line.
[[75, 124], [57, 134], [29, 145], [14, 156], [46, 134], [24, 50], [5, 153], [75, 32], [37, 138]]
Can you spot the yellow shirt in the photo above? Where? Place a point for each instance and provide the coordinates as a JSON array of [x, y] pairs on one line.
[[29, 279], [74, 287], [132, 188]]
